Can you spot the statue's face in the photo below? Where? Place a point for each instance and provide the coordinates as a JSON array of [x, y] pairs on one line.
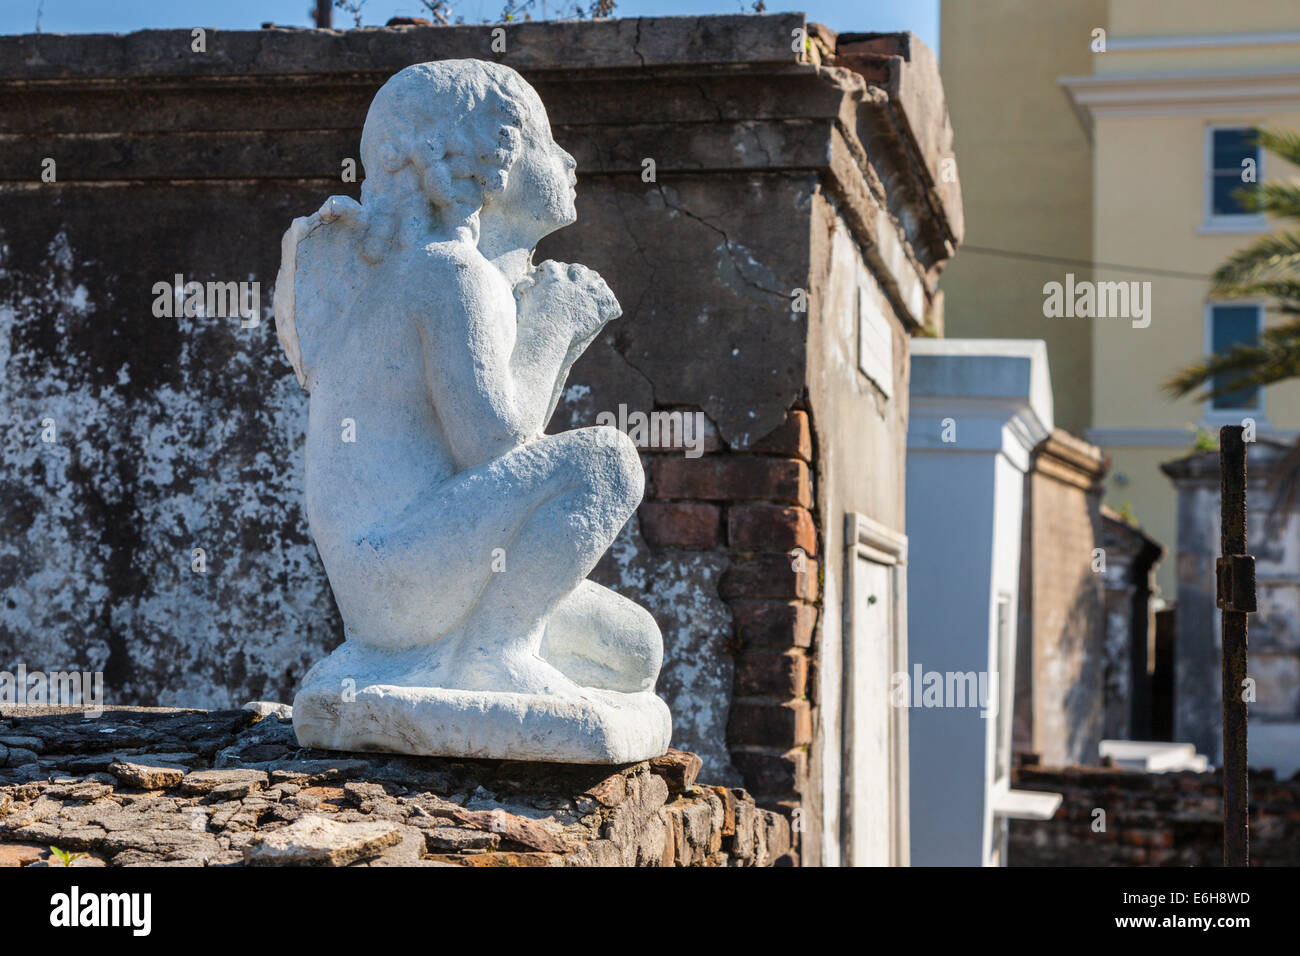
[[541, 186]]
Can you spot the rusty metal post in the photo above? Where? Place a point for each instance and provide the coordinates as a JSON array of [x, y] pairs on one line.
[[1236, 599], [324, 14]]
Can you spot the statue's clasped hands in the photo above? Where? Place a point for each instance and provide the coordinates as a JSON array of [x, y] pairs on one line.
[[568, 294]]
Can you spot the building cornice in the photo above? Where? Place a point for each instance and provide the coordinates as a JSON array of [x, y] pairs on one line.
[[1201, 41], [1194, 92], [1069, 460]]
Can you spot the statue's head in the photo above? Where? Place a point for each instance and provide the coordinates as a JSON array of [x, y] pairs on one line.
[[476, 135]]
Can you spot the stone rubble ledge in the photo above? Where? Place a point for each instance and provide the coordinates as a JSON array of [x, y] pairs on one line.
[[165, 787]]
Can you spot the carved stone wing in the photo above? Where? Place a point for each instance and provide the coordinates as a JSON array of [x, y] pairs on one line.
[[321, 275]]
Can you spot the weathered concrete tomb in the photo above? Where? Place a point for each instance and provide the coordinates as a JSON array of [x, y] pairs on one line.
[[772, 209], [1274, 701]]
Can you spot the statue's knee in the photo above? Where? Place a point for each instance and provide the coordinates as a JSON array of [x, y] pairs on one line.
[[649, 645], [617, 463]]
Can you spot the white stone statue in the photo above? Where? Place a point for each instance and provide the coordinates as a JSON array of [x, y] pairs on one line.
[[457, 536]]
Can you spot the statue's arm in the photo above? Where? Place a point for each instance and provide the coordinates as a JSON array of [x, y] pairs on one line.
[[468, 343], [561, 312], [545, 350]]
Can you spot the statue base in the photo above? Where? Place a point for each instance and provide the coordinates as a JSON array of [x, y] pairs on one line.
[[599, 727]]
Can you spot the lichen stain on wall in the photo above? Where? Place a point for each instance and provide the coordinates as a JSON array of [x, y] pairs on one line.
[[680, 588], [99, 526]]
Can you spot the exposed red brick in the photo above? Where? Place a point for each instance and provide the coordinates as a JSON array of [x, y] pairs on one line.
[[513, 827], [674, 819], [771, 772], [791, 437], [728, 809], [1173, 819], [770, 576], [678, 769], [768, 724], [671, 824], [763, 673], [765, 527], [880, 45], [21, 854], [681, 524], [871, 66], [610, 792], [775, 623], [1161, 838], [731, 478]]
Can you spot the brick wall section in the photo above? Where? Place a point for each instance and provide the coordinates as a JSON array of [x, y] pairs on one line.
[[1152, 819], [756, 508], [1060, 645]]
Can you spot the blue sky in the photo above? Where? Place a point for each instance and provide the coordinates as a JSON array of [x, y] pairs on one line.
[[123, 16]]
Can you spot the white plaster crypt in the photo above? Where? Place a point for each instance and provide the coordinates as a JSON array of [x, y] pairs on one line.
[[457, 536]]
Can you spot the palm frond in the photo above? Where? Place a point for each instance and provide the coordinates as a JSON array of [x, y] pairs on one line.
[[1273, 360], [1285, 292], [1281, 142], [1274, 199], [1271, 257], [1283, 332]]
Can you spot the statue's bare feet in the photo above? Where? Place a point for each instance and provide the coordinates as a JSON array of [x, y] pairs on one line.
[[601, 639]]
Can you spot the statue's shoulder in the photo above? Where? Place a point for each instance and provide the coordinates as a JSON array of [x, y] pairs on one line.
[[452, 255], [451, 266]]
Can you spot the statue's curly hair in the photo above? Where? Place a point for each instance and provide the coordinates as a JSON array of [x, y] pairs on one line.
[[458, 122]]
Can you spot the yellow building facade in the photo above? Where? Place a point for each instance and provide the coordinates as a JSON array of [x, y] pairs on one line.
[[1126, 126]]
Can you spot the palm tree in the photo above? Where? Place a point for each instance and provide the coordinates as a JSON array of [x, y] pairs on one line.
[[1267, 268]]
